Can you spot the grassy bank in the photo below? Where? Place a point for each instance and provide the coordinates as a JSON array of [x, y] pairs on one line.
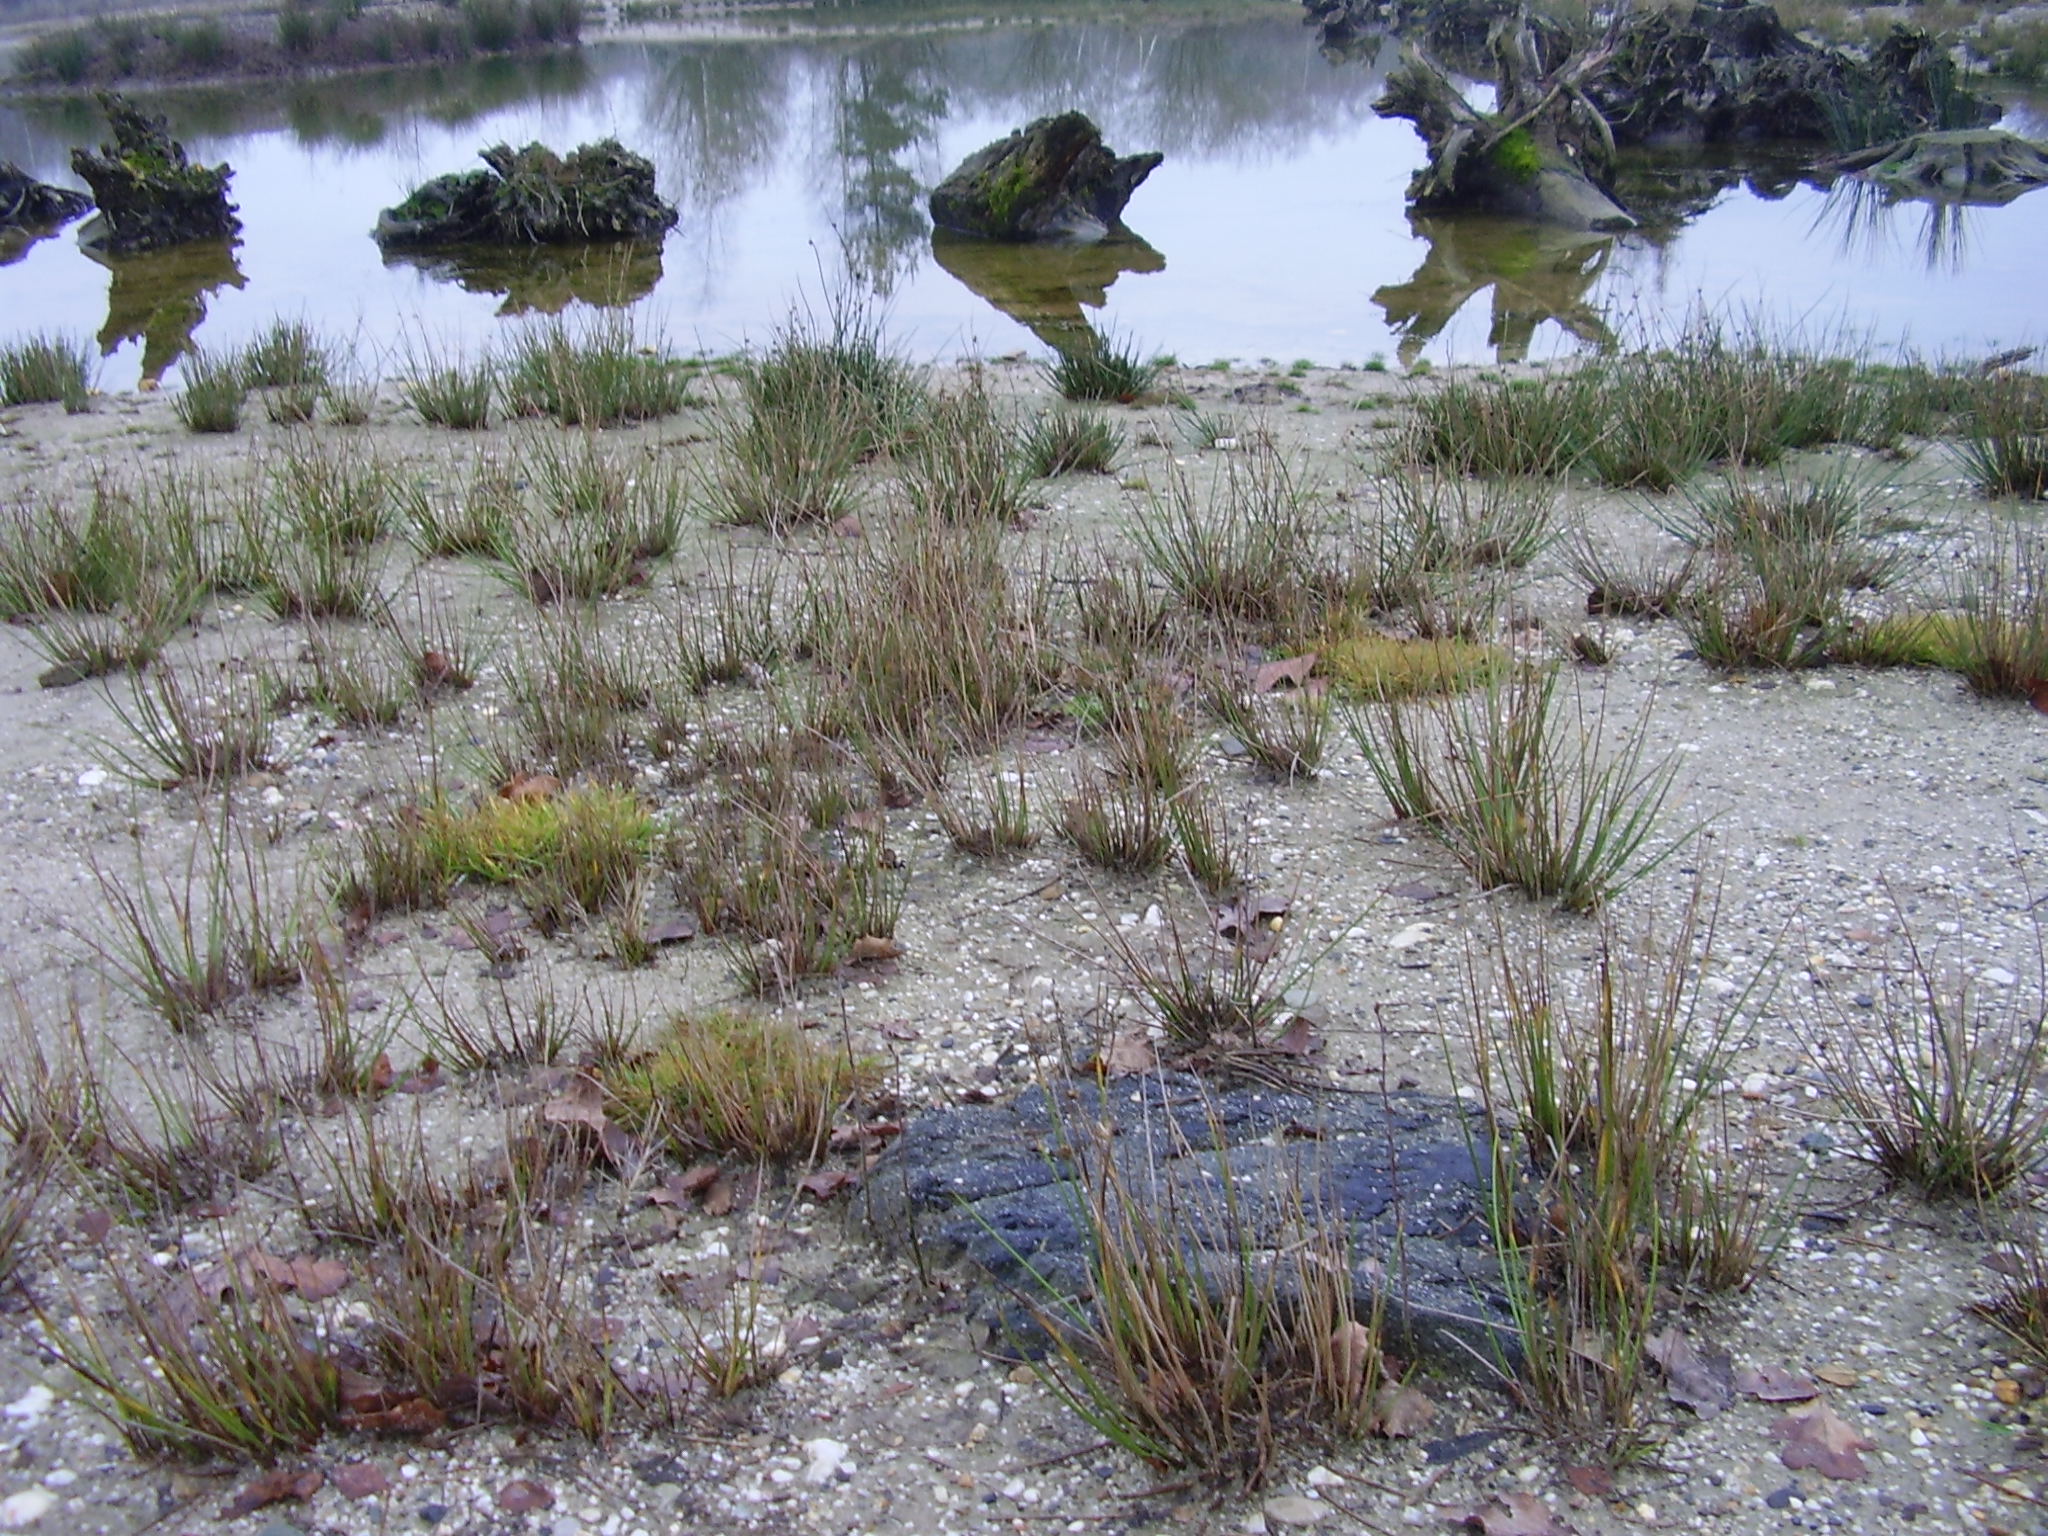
[[301, 37]]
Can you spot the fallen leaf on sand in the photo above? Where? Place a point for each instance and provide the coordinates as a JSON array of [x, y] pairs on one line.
[[827, 1182], [1593, 1482], [1291, 673], [274, 1487], [1401, 1412], [360, 1480], [1127, 1055], [1515, 1514], [1775, 1384], [1696, 1378], [1816, 1436], [581, 1103], [314, 1279], [523, 1495]]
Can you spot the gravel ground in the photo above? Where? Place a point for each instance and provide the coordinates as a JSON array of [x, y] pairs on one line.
[[1835, 811]]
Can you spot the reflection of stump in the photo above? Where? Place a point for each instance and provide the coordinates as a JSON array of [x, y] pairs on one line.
[[1537, 273], [1970, 165], [1043, 287], [544, 279], [160, 296], [149, 195]]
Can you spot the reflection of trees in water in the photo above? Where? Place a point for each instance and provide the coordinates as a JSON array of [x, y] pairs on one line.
[[350, 111], [715, 114], [1537, 273], [886, 103], [1866, 219], [160, 296], [1240, 89]]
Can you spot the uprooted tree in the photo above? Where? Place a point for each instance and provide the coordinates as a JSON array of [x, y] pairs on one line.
[[1545, 154], [1716, 73], [533, 196], [149, 194]]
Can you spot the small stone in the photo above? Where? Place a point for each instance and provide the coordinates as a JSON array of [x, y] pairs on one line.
[[20, 1510], [826, 1457], [2007, 1391], [1293, 1509]]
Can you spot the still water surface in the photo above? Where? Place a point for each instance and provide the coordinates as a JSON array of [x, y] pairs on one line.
[[800, 152]]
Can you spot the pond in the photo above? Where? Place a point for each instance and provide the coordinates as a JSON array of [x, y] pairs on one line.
[[800, 147]]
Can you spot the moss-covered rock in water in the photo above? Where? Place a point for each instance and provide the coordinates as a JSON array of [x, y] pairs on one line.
[[1052, 180], [533, 196], [149, 194]]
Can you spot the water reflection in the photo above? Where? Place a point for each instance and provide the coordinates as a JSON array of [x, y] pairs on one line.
[[1281, 200], [1866, 220], [160, 296], [544, 279], [888, 103], [1045, 287], [1537, 273]]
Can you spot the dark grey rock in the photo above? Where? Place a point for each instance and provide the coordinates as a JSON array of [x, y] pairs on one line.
[[1052, 180], [1001, 1186]]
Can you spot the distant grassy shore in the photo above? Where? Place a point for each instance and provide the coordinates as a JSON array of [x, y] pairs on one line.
[[302, 36]]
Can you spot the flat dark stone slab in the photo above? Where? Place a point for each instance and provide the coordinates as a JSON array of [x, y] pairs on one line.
[[1004, 1188]]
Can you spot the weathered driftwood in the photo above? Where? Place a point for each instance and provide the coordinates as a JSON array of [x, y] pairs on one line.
[[1052, 180], [149, 195], [1722, 73], [1967, 165], [1546, 154], [1705, 74], [533, 196], [26, 203]]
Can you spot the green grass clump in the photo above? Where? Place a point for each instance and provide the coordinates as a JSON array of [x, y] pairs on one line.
[[455, 395], [584, 845], [46, 369], [1065, 442], [1112, 369], [602, 375], [737, 1085], [214, 393]]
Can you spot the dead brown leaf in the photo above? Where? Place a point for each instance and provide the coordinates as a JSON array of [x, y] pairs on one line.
[[411, 1416], [314, 1279], [1775, 1384], [1593, 1482], [581, 1103], [360, 1480], [718, 1199], [824, 1183], [1816, 1436], [274, 1487], [526, 787], [1702, 1379], [1127, 1055], [1401, 1412], [1291, 673], [523, 1495], [1515, 1514]]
